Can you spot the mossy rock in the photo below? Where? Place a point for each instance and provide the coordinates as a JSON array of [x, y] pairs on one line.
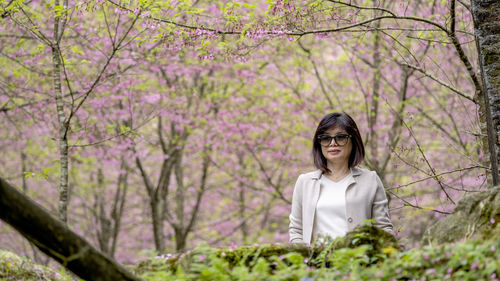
[[13, 267], [376, 240], [369, 235], [477, 213], [244, 254]]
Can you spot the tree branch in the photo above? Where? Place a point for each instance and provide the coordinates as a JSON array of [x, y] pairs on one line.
[[453, 89], [55, 239]]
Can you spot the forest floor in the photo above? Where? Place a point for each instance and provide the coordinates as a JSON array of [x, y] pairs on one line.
[[361, 255]]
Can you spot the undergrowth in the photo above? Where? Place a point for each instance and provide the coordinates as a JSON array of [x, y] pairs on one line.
[[358, 257], [13, 267], [365, 254]]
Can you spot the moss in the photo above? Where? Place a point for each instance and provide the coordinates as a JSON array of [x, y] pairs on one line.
[[490, 213], [376, 242], [369, 235], [13, 267], [474, 215], [364, 254], [367, 253]]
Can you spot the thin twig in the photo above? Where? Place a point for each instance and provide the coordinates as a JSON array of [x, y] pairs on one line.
[[453, 89], [407, 203], [437, 175], [132, 130]]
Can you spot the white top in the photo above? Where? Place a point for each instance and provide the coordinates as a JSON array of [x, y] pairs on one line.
[[330, 219]]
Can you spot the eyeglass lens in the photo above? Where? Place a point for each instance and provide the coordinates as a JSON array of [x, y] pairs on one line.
[[341, 139]]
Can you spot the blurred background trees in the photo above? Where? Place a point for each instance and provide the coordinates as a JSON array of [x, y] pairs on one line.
[[189, 121]]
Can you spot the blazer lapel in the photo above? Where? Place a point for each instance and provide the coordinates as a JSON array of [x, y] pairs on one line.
[[316, 190]]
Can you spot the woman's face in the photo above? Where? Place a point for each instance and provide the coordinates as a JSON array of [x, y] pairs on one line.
[[335, 153]]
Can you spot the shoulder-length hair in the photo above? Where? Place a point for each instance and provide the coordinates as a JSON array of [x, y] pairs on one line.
[[344, 121]]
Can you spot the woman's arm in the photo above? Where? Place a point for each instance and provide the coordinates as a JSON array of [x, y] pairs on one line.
[[295, 227], [380, 209]]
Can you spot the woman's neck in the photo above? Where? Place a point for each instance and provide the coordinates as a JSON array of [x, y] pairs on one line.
[[338, 171]]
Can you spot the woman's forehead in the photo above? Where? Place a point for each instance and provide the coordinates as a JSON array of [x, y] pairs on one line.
[[335, 130]]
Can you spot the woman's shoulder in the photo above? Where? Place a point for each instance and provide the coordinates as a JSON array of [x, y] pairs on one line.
[[367, 177], [356, 171], [316, 174]]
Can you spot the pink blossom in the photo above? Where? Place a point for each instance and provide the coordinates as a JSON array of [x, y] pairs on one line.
[[152, 98], [430, 271]]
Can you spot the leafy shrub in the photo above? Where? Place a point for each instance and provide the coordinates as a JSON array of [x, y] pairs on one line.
[[366, 253], [361, 255]]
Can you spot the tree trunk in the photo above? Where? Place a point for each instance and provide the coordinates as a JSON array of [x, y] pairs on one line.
[[119, 204], [487, 32], [55, 239], [62, 137], [244, 228], [63, 123], [108, 223], [375, 95], [180, 198], [102, 223], [157, 200], [157, 206]]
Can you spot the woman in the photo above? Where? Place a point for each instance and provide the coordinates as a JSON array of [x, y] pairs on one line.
[[338, 196]]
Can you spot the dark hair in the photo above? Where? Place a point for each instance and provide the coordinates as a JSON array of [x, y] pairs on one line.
[[344, 121]]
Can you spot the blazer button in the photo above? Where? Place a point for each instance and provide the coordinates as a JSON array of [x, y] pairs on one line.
[[349, 220]]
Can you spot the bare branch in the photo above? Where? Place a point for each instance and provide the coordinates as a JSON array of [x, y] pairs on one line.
[[407, 203], [453, 89], [145, 177], [125, 133], [461, 54], [316, 72], [437, 175]]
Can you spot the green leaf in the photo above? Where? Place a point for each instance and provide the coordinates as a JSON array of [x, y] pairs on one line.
[[76, 50], [27, 175], [295, 258], [20, 42]]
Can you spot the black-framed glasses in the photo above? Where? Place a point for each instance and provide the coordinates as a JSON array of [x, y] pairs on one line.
[[340, 139]]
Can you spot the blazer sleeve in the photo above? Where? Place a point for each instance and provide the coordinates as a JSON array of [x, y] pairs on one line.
[[380, 208], [295, 227]]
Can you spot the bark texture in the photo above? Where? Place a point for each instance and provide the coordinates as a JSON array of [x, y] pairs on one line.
[[55, 239], [487, 30]]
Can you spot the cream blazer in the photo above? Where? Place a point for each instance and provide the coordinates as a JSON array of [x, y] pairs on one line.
[[365, 199]]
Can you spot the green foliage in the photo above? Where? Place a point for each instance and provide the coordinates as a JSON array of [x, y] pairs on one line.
[[359, 256], [13, 267]]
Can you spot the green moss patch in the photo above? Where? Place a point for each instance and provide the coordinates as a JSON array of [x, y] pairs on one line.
[[367, 253], [364, 254], [13, 267]]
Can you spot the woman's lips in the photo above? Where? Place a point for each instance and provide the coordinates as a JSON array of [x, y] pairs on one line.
[[333, 151]]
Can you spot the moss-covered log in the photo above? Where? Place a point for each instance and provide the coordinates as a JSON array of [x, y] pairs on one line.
[[375, 240]]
